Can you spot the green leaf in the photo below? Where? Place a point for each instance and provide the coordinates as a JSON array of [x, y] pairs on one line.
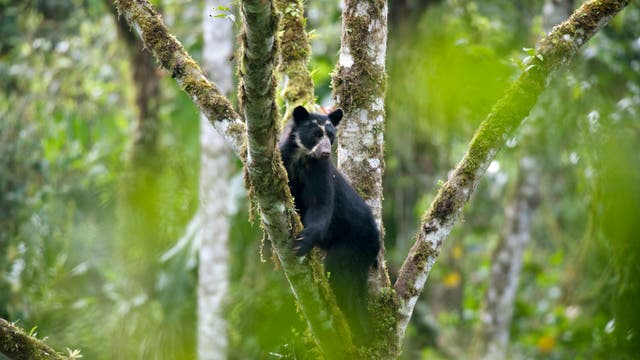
[[33, 332]]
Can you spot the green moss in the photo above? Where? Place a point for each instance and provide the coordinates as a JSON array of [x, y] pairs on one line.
[[294, 53], [18, 345], [445, 204], [357, 85], [584, 20], [237, 129], [384, 308]]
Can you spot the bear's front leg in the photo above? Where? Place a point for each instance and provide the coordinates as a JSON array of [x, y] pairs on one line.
[[317, 198], [305, 242], [316, 223]]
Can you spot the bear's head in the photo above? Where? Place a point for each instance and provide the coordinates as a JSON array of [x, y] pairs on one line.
[[314, 133]]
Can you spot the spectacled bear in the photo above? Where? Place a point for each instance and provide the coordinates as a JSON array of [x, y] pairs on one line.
[[335, 217]]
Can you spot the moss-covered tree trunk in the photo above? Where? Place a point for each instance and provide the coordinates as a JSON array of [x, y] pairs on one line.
[[293, 63], [359, 85], [268, 183]]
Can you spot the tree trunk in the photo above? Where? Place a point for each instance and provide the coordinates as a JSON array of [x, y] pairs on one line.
[[507, 257], [147, 84], [137, 210], [507, 261], [359, 84], [213, 213], [293, 64]]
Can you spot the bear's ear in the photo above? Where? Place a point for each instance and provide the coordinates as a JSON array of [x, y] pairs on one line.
[[300, 114], [335, 116]]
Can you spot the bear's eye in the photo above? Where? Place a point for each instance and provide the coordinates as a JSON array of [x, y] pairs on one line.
[[317, 133]]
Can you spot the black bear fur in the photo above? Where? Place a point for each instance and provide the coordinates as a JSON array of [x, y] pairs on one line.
[[335, 217]]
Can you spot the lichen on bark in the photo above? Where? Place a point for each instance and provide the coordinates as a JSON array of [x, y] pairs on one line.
[[359, 83]]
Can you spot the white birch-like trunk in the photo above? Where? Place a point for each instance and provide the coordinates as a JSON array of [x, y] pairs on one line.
[[359, 84], [507, 261], [214, 217]]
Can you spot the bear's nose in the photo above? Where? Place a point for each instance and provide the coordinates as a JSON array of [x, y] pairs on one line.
[[323, 149]]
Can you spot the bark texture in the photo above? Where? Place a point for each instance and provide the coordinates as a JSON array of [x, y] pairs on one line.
[[215, 169], [172, 56], [293, 65], [554, 50], [507, 261], [18, 345], [359, 84], [268, 180]]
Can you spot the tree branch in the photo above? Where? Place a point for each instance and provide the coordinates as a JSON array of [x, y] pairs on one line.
[[294, 54], [18, 345], [268, 179], [359, 84], [554, 50], [172, 56]]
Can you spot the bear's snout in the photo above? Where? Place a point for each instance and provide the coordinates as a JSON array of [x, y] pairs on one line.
[[323, 149]]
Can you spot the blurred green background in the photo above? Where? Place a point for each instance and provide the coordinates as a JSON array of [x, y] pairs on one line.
[[68, 271]]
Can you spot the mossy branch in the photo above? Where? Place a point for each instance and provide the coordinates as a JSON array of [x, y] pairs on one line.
[[295, 51], [551, 52], [268, 179], [173, 57], [16, 344]]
